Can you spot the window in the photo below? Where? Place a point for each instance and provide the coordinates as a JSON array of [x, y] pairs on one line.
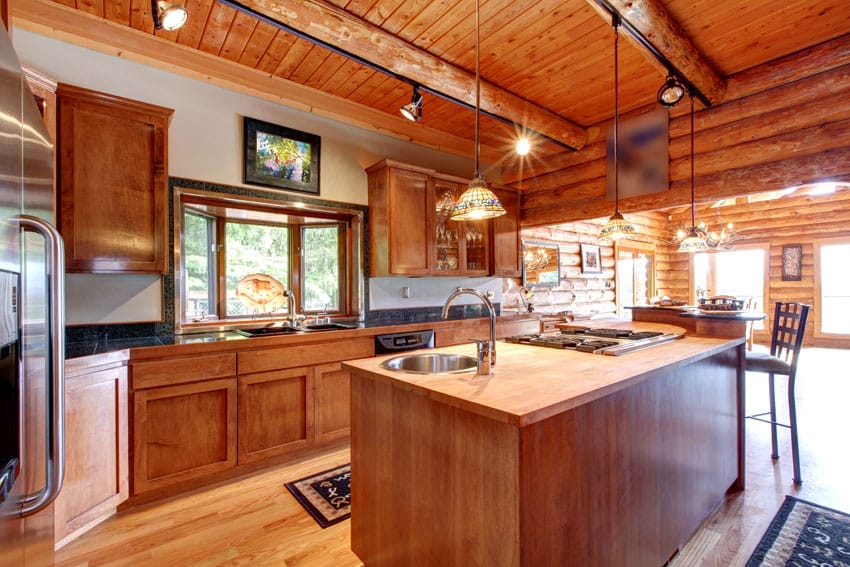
[[312, 253], [832, 297], [740, 272]]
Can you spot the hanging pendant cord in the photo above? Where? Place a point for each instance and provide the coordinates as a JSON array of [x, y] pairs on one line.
[[693, 159], [477, 92], [616, 22]]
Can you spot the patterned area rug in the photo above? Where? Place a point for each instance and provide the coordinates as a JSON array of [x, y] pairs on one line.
[[803, 533], [326, 495]]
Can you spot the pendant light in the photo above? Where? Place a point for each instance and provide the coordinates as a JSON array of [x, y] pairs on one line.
[[617, 228], [477, 202], [694, 240]]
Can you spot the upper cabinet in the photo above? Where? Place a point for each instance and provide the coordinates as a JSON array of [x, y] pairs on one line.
[[411, 233], [113, 182]]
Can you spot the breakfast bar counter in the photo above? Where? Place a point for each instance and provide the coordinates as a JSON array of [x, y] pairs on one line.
[[557, 458]]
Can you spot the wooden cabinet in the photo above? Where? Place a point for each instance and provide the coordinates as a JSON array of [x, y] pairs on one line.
[[399, 226], [460, 247], [506, 252], [333, 397], [411, 233], [275, 413], [97, 465], [113, 182], [186, 430]]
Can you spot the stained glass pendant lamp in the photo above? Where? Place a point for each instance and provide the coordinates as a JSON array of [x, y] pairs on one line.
[[694, 240], [478, 201], [617, 227]]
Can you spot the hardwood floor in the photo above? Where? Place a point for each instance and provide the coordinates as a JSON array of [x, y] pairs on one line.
[[255, 521]]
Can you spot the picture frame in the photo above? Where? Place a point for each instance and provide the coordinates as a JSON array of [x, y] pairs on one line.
[[280, 157], [792, 262], [591, 260]]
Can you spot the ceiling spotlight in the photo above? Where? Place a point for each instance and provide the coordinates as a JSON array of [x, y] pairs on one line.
[[167, 16], [672, 91], [413, 110], [523, 146]]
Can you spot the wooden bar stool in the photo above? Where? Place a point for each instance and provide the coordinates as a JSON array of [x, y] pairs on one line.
[[789, 325]]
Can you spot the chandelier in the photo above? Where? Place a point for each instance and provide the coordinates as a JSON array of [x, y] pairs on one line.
[[721, 239]]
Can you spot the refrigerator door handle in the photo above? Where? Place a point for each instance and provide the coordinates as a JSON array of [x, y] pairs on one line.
[[55, 254]]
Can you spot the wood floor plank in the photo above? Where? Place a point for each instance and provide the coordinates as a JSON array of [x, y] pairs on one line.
[[256, 521]]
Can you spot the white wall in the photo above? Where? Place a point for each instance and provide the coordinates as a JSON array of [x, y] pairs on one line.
[[205, 143]]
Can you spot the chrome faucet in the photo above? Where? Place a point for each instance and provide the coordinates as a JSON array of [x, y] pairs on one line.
[[491, 350], [293, 317]]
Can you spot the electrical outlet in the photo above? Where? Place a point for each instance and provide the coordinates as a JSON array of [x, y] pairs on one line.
[[405, 292]]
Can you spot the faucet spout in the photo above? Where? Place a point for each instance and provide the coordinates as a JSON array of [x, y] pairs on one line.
[[491, 310]]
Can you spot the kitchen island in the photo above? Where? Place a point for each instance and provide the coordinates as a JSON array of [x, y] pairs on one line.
[[557, 458]]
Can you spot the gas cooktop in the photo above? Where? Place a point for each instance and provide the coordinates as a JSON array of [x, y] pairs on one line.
[[598, 341]]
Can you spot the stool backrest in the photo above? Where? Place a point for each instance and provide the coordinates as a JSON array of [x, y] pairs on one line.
[[789, 326]]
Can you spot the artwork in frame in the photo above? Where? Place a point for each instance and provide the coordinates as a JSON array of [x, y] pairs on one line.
[[280, 157], [792, 263], [591, 262]]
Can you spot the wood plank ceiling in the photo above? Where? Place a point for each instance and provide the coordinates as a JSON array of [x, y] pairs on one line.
[[555, 54]]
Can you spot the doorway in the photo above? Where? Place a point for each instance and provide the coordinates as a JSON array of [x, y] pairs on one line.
[[740, 272], [832, 297], [635, 276]]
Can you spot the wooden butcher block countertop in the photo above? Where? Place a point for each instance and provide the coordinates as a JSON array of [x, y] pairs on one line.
[[530, 383]]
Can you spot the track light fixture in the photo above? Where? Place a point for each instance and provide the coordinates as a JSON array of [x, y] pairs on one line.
[[672, 91], [413, 110], [167, 16]]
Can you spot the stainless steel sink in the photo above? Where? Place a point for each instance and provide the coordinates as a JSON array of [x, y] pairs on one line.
[[266, 331], [324, 327], [431, 363]]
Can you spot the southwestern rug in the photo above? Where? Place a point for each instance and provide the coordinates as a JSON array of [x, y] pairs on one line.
[[803, 533], [325, 495]]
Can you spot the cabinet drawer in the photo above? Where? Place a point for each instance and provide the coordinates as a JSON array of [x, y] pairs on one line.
[[182, 370], [306, 355]]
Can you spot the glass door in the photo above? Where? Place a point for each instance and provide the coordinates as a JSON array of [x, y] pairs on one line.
[[740, 272], [447, 235], [832, 295], [635, 277]]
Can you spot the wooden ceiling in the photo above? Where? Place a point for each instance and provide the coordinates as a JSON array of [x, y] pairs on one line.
[[549, 61]]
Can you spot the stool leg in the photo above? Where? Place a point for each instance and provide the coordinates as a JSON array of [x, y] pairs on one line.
[[773, 441], [795, 444]]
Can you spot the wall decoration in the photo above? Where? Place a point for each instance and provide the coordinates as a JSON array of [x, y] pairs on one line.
[[792, 263], [280, 157], [591, 261], [643, 145]]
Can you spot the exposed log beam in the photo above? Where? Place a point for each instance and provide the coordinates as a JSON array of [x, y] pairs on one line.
[[649, 20], [74, 26], [322, 21]]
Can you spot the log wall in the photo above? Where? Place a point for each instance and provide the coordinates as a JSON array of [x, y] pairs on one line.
[[782, 124], [583, 295], [777, 222]]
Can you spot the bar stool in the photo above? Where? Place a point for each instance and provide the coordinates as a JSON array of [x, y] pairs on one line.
[[789, 325]]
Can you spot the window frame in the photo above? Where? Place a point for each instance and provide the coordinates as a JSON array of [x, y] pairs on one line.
[[352, 236]]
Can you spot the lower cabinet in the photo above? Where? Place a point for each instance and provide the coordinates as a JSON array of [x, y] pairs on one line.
[[275, 413], [333, 396], [183, 432], [96, 461]]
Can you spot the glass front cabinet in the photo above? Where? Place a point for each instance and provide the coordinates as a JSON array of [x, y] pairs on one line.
[[461, 247]]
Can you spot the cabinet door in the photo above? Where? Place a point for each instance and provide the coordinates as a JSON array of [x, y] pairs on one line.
[[476, 248], [332, 401], [275, 413], [113, 182], [506, 252], [96, 467], [409, 224], [183, 432], [447, 237]]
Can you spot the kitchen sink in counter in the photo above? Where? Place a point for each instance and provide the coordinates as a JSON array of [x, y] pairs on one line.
[[595, 460]]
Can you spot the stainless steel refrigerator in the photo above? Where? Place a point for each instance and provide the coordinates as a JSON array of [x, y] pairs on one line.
[[31, 326]]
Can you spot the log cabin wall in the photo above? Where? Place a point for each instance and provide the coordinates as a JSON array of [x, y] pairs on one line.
[[777, 222], [781, 124], [582, 295]]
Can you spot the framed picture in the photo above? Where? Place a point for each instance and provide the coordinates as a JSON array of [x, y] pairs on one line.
[[591, 262], [792, 263], [280, 157]]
